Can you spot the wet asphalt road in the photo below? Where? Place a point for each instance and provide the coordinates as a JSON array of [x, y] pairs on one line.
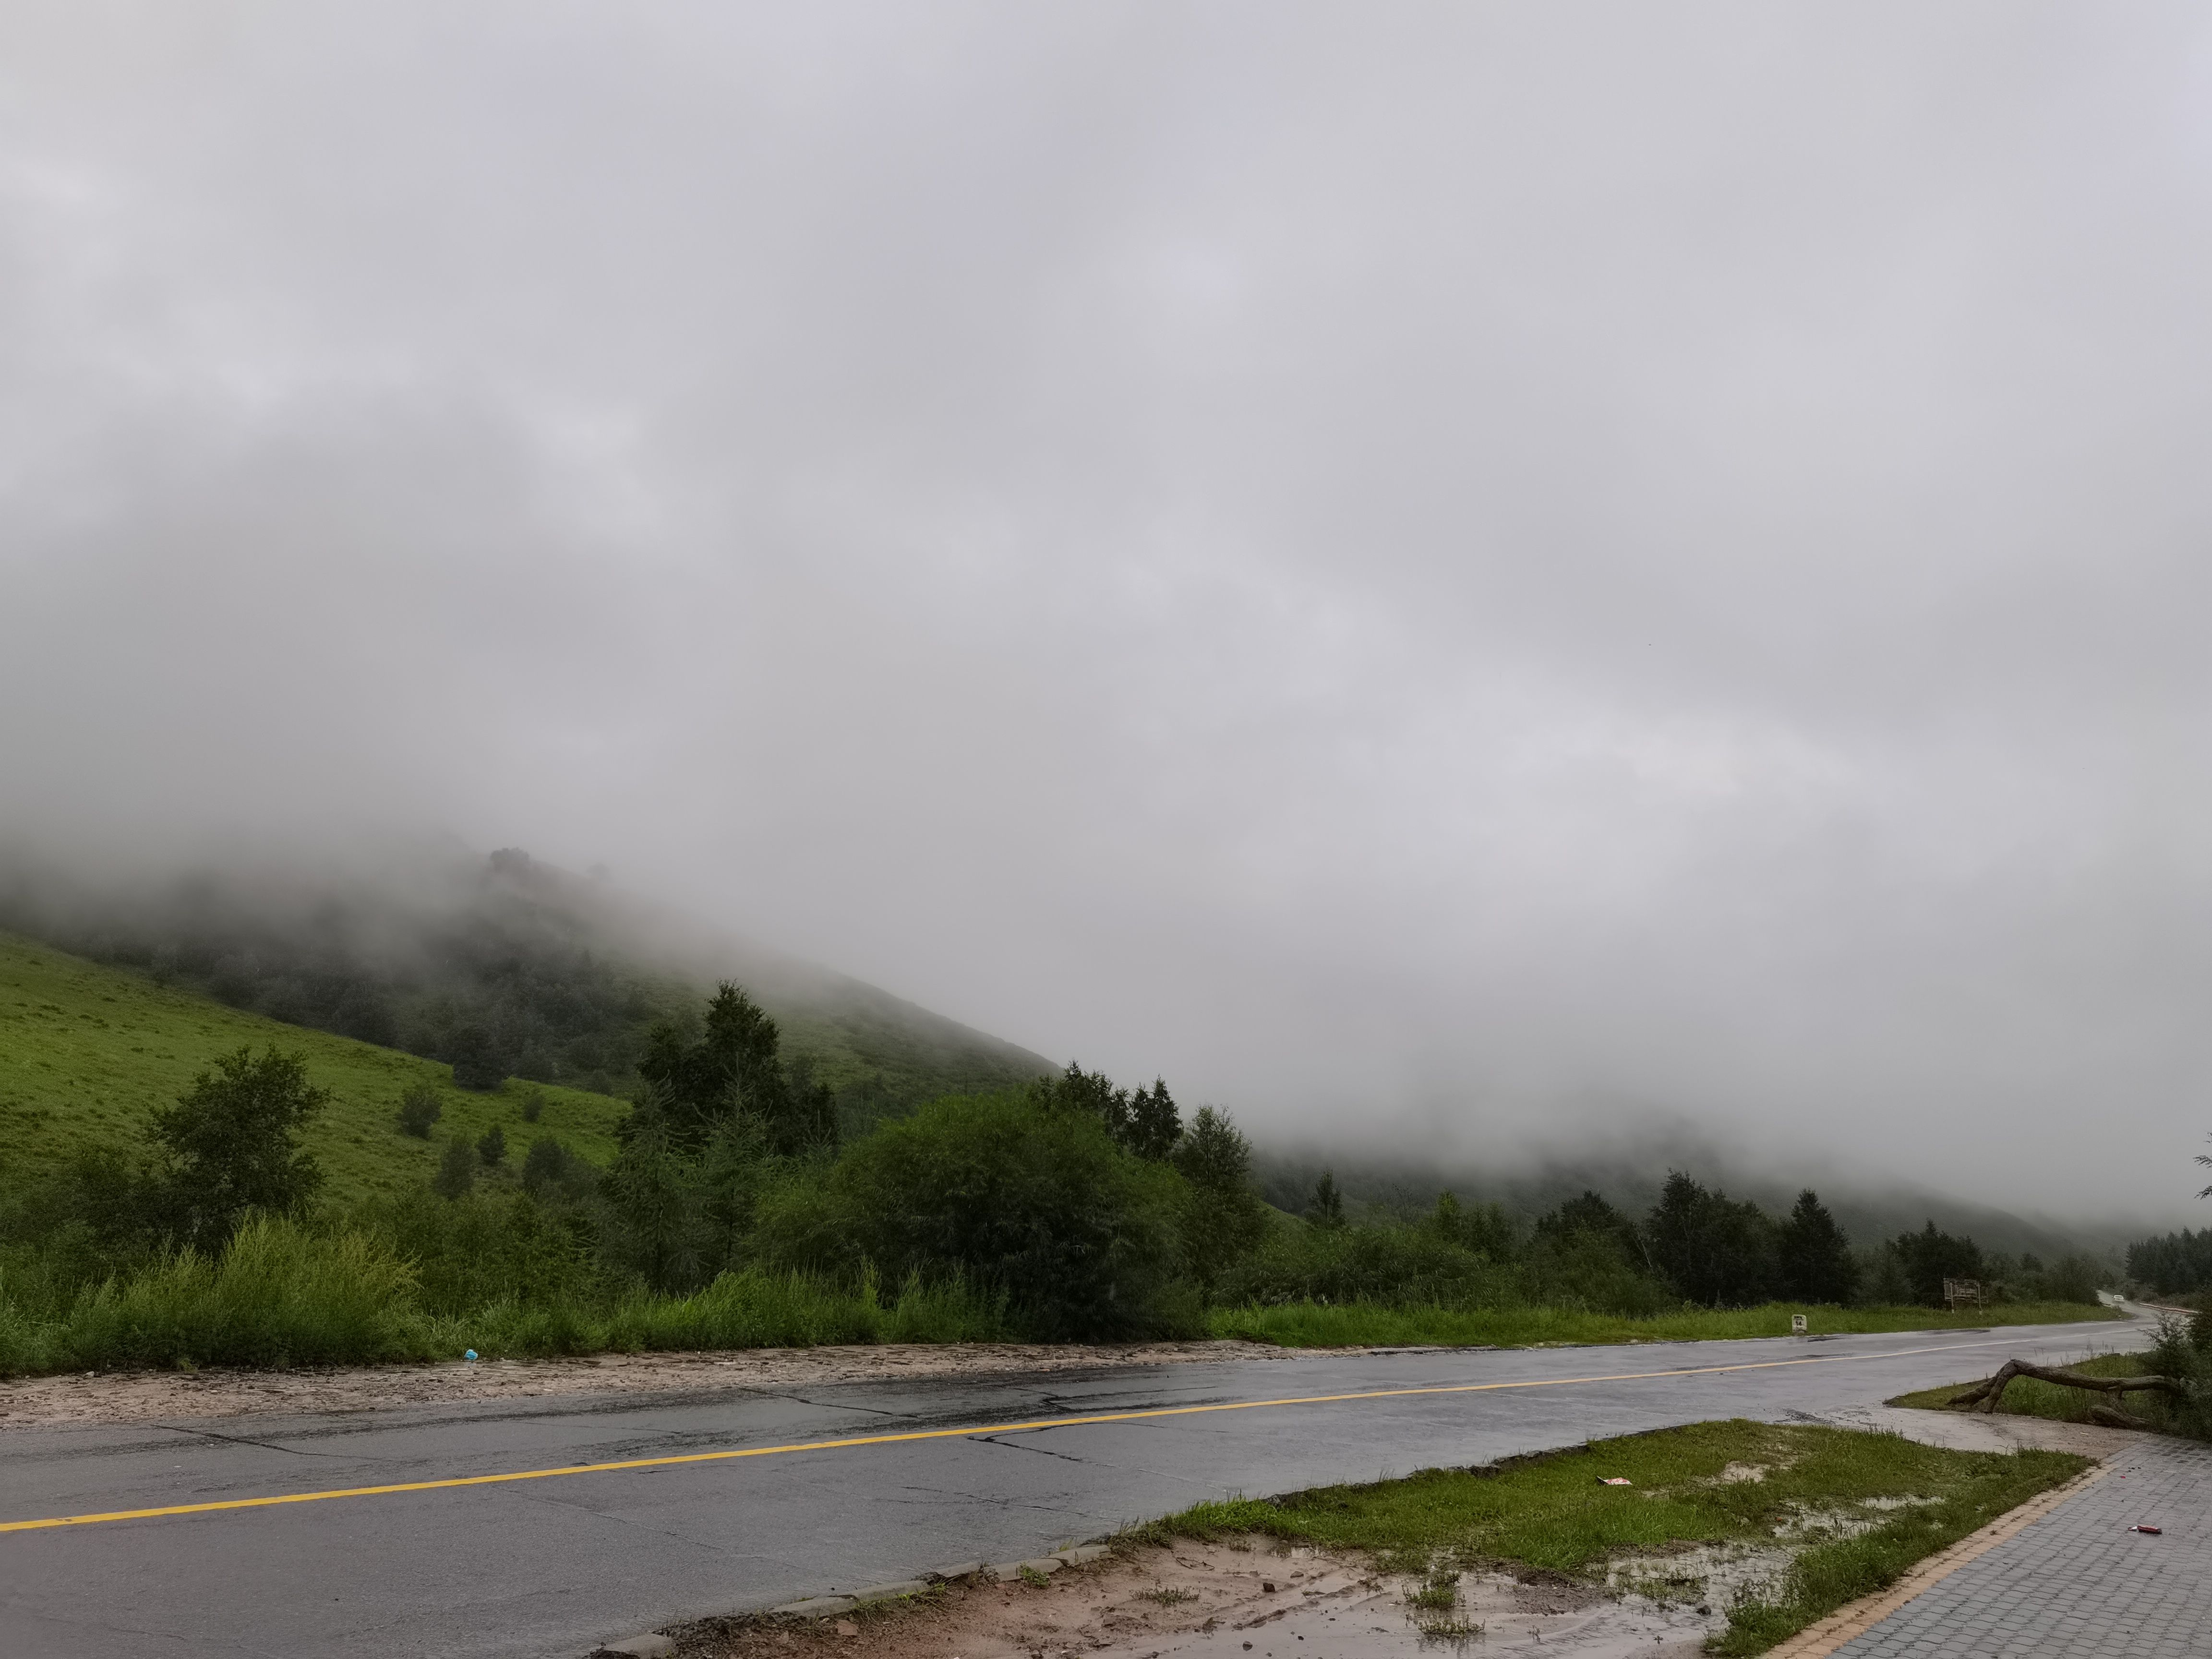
[[547, 1568]]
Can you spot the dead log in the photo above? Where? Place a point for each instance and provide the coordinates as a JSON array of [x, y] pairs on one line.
[[1985, 1396]]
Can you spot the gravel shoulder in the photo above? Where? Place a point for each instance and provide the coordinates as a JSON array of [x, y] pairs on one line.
[[124, 1397]]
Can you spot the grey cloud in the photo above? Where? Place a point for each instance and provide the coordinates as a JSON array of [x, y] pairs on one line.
[[1445, 571]]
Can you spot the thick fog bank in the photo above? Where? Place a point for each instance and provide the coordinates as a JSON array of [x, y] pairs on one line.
[[1452, 579]]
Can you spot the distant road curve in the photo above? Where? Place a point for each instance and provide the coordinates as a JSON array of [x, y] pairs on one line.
[[540, 1528]]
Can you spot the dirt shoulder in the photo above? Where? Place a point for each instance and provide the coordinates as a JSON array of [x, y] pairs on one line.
[[110, 1397], [1237, 1599]]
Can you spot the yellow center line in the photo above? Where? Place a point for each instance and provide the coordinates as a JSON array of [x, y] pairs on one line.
[[953, 1434]]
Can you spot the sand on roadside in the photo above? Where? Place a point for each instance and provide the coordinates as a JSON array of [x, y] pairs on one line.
[[1240, 1599], [117, 1397]]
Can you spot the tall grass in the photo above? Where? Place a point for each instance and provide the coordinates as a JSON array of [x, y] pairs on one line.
[[1369, 1325], [278, 1296], [282, 1295]]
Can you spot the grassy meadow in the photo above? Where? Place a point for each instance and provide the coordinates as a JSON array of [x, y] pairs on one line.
[[86, 1053]]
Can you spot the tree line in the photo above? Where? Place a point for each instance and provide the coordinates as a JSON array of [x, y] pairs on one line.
[[1075, 1207]]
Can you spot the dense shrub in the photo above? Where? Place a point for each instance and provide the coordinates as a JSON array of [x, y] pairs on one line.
[[485, 1248], [1592, 1273], [2069, 1278], [1306, 1262], [1013, 1194], [419, 1108]]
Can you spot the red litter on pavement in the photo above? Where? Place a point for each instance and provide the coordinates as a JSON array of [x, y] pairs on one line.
[[2154, 1532]]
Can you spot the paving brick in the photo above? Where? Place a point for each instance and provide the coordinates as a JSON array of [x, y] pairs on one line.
[[2076, 1583]]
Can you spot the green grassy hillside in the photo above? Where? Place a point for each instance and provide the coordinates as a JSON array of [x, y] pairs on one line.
[[86, 1053], [499, 967]]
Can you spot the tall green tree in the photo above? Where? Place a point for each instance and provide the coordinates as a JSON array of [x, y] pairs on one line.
[[1713, 1248], [1932, 1255], [457, 1169], [1222, 1217], [231, 1145], [1326, 1209], [1146, 1123], [652, 1202], [732, 1068], [1590, 1215], [1813, 1255], [1482, 1227]]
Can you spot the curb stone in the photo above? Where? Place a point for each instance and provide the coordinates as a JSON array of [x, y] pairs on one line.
[[648, 1646]]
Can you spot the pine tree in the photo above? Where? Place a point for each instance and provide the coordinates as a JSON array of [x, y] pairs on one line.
[[651, 1205], [457, 1169], [1814, 1255], [1326, 1209]]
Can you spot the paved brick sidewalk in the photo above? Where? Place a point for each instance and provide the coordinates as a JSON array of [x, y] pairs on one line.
[[2077, 1584]]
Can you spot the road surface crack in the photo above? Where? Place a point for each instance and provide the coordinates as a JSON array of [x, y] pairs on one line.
[[834, 1406], [1022, 1445], [268, 1445]]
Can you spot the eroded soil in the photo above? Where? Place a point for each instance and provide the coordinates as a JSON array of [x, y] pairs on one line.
[[1233, 1600]]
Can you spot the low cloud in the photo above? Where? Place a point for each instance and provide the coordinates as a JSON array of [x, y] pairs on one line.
[[1442, 578]]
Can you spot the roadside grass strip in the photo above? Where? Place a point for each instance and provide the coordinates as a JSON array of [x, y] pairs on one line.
[[732, 1453], [1853, 1510], [1373, 1325]]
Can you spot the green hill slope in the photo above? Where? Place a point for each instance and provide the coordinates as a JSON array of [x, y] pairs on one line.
[[87, 1052], [500, 967]]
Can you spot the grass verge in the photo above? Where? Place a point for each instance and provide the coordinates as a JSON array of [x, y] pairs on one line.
[[1854, 1510], [1368, 1325]]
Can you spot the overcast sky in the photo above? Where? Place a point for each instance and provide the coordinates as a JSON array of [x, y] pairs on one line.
[[1421, 568]]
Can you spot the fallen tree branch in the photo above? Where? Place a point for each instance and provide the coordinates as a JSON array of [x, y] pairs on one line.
[[2113, 1418], [1984, 1396]]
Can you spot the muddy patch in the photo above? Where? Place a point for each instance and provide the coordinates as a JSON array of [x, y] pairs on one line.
[[1233, 1600]]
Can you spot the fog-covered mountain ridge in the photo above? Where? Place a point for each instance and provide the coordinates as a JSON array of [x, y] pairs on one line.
[[499, 965]]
